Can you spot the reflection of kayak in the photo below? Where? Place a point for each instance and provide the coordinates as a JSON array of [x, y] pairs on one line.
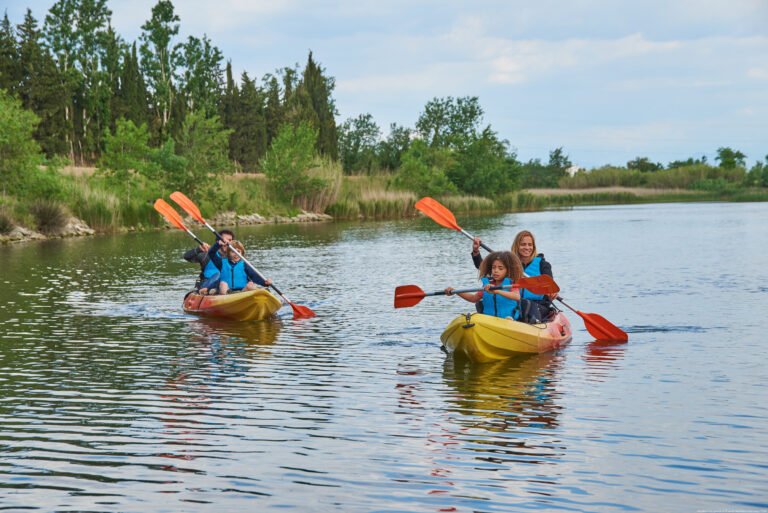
[[250, 305], [516, 391], [484, 338]]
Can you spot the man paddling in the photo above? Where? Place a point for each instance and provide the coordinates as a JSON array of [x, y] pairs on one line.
[[209, 273]]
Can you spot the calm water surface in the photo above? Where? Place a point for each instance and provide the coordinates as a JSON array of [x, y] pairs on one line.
[[112, 399]]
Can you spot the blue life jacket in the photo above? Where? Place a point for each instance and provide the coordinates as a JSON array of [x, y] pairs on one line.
[[233, 275], [210, 269], [498, 305], [532, 269]]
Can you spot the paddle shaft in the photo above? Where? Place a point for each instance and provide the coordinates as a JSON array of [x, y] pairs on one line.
[[443, 293]]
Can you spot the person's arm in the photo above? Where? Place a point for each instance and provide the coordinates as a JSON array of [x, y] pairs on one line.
[[192, 256], [472, 297], [254, 277], [213, 254], [513, 294], [476, 258]]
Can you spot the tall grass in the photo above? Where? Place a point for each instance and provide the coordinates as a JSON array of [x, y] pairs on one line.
[[6, 224], [469, 204], [328, 176], [50, 216]]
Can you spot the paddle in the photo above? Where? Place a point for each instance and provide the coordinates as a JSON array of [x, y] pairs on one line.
[[173, 217], [597, 325], [189, 206], [411, 295], [444, 217]]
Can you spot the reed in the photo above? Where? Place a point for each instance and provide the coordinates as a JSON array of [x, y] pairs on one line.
[[469, 204], [387, 204], [326, 177]]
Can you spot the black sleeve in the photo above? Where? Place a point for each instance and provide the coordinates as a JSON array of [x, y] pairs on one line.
[[477, 260], [546, 267], [192, 256]]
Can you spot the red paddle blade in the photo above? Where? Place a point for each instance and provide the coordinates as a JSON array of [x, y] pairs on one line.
[[188, 205], [601, 328], [408, 295], [437, 212], [542, 284], [302, 312], [169, 214]]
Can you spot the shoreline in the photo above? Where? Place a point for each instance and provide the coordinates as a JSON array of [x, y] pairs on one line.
[[78, 228]]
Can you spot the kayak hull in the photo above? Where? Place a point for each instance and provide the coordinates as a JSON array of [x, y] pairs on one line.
[[250, 305], [484, 338]]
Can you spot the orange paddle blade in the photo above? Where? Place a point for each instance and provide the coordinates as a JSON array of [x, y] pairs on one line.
[[408, 295], [437, 212], [601, 328], [542, 284], [188, 205], [169, 214], [301, 312]]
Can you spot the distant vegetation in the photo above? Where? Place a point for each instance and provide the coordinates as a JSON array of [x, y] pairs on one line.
[[160, 114]]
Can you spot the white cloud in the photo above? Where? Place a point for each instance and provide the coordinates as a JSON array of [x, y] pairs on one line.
[[758, 73]]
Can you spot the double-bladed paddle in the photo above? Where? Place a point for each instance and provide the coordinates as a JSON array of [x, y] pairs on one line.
[[411, 295], [597, 325]]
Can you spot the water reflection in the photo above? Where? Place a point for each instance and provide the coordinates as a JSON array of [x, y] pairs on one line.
[[602, 358], [507, 395]]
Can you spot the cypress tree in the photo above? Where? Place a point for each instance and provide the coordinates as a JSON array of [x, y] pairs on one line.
[[40, 87], [251, 128], [273, 113], [10, 64], [318, 89]]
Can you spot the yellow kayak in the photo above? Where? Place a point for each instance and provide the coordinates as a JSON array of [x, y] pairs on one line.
[[251, 305], [484, 338]]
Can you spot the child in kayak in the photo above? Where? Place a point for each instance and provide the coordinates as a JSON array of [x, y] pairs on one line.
[[209, 273], [498, 268], [235, 274]]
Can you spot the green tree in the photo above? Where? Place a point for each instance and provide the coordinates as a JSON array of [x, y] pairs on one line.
[[10, 65], [318, 89], [423, 170], [358, 141], [62, 39], [249, 141], [273, 112], [19, 152], [685, 163], [288, 160], [131, 101], [644, 165], [450, 122], [199, 74], [204, 143], [485, 167], [159, 62], [124, 151], [391, 149], [730, 159], [40, 87]]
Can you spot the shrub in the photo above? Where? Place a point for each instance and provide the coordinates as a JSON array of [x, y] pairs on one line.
[[6, 225], [50, 216]]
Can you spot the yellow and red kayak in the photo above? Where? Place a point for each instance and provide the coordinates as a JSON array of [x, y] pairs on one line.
[[484, 338], [251, 305]]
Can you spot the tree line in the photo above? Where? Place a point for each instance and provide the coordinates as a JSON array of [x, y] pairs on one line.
[[171, 112]]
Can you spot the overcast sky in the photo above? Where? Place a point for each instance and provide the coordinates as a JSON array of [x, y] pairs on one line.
[[606, 80]]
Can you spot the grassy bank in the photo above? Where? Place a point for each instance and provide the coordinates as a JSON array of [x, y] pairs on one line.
[[107, 206]]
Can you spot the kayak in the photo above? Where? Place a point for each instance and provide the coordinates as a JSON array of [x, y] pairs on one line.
[[484, 338], [250, 305]]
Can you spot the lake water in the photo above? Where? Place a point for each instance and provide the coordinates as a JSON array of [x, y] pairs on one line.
[[112, 399]]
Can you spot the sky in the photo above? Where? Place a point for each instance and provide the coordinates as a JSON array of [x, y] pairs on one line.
[[606, 80]]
